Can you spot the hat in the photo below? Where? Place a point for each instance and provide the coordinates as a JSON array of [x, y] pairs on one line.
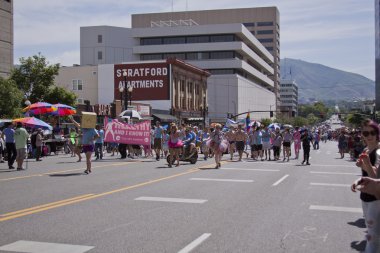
[[39, 129]]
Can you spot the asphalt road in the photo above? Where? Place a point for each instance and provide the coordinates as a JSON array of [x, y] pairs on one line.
[[144, 206]]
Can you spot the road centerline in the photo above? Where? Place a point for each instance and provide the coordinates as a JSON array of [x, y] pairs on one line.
[[280, 180], [195, 243]]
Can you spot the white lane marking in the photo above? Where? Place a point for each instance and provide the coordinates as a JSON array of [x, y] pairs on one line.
[[333, 165], [176, 200], [268, 170], [222, 180], [195, 243], [334, 173], [333, 185], [44, 247], [337, 209], [280, 180]]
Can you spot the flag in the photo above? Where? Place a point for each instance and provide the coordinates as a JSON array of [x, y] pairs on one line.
[[247, 121]]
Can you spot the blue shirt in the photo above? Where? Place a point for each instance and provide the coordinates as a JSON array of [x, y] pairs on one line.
[[158, 132], [266, 136], [88, 136], [190, 138], [101, 138], [9, 135]]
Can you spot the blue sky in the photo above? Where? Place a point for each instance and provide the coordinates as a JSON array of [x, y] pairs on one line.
[[336, 33]]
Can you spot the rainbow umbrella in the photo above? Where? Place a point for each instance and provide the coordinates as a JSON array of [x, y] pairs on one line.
[[33, 123], [63, 110], [39, 108]]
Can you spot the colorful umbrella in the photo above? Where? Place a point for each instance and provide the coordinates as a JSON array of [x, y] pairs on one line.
[[63, 110], [33, 123], [39, 108]]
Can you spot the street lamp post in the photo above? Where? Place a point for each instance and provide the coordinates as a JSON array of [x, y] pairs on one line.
[[205, 109], [129, 95], [121, 89]]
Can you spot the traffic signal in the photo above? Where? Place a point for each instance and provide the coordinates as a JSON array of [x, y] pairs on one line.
[[271, 114], [339, 116]]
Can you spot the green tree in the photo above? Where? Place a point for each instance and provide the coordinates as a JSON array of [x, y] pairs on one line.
[[34, 75], [355, 119], [300, 121], [10, 99], [312, 119], [61, 95], [266, 121]]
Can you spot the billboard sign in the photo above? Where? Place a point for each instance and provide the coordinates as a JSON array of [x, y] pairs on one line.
[[121, 132], [150, 81]]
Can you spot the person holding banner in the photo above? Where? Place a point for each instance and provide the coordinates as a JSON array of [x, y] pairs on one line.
[[89, 135], [175, 144]]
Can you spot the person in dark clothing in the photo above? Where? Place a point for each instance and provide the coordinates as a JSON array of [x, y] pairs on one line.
[[8, 137], [306, 140]]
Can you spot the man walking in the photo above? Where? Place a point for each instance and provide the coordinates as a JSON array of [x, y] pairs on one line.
[[9, 133], [21, 138], [39, 144], [99, 143], [157, 143]]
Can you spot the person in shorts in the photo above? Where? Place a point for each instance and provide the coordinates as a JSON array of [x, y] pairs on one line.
[[89, 135], [266, 143], [240, 140], [157, 142], [21, 138]]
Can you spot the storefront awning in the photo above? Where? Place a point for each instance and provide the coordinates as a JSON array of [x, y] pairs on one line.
[[165, 117]]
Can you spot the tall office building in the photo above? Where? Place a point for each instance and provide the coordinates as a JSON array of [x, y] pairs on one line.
[[6, 37], [244, 68], [262, 22], [377, 52], [289, 97]]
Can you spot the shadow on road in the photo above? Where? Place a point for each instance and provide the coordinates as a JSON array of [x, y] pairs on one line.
[[360, 223], [359, 246], [67, 175]]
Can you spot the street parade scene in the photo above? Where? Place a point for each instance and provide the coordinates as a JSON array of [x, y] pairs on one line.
[[189, 127]]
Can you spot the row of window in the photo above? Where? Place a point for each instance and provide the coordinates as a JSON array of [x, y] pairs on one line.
[[187, 39], [251, 24], [288, 96], [193, 55]]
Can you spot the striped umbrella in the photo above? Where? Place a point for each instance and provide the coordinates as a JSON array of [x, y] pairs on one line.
[[33, 123], [39, 108], [63, 110]]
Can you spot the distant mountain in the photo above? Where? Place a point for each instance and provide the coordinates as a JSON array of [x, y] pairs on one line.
[[319, 82]]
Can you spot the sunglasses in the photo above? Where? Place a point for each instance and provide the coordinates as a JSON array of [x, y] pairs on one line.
[[367, 133]]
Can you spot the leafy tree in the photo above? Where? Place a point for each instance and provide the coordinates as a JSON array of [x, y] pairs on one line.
[[312, 119], [61, 95], [300, 121], [10, 99], [34, 75], [355, 119], [266, 121]]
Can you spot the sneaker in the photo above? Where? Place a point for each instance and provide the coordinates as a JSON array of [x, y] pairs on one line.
[[20, 169], [284, 159], [2, 161], [303, 162], [307, 163], [11, 167]]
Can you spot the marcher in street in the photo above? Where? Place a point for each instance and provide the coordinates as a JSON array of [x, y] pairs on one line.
[[307, 141], [21, 139], [89, 135], [39, 138], [205, 137], [297, 142], [218, 144], [8, 137], [370, 204], [342, 144], [230, 136], [99, 143], [240, 140], [287, 142], [277, 142], [2, 145], [157, 142], [266, 143], [175, 144]]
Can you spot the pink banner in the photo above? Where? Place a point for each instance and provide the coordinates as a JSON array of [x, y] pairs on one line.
[[120, 132]]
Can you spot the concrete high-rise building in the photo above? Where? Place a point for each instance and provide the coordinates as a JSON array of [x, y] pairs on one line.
[[6, 37], [262, 22], [240, 50], [377, 52], [289, 97]]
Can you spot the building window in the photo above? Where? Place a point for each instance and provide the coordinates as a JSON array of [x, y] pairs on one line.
[[150, 41], [100, 55], [175, 55], [267, 40], [221, 71], [269, 48], [265, 32], [147, 57], [249, 24], [264, 23], [222, 38], [198, 39], [80, 101], [174, 40], [77, 84], [253, 32], [222, 55], [100, 38]]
